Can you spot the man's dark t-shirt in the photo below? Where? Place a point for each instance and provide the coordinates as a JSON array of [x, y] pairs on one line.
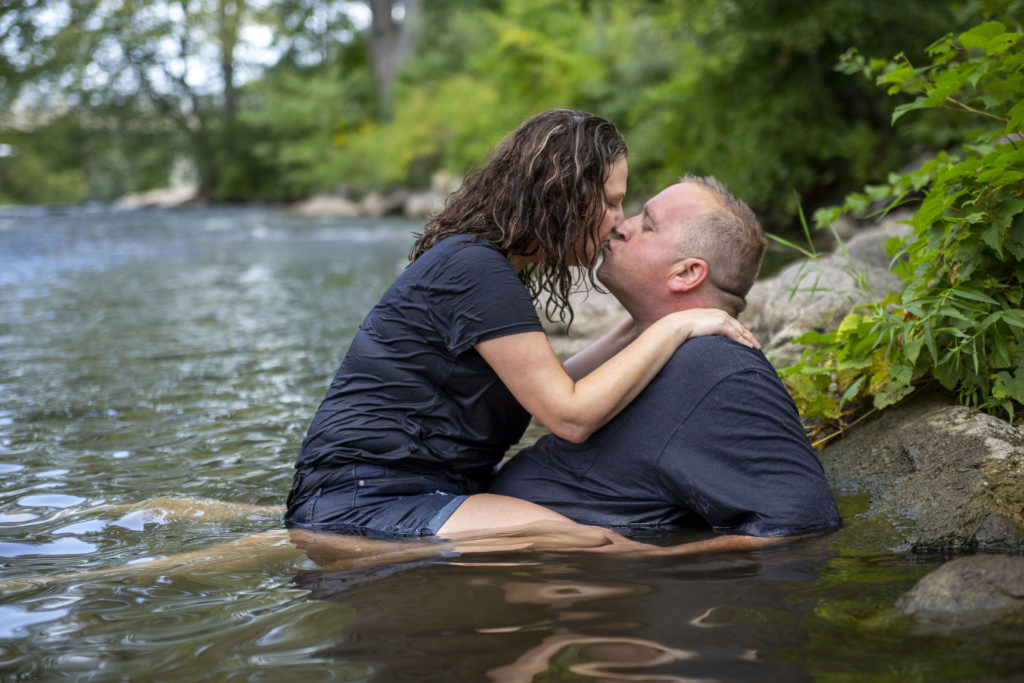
[[412, 392], [714, 439]]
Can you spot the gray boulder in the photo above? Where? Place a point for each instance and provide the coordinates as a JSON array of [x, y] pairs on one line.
[[943, 475], [968, 592], [327, 205], [594, 313], [816, 294]]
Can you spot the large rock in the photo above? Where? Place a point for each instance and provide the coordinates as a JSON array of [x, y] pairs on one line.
[[594, 313], [943, 475], [967, 593], [327, 205], [375, 204], [165, 198], [816, 294], [428, 202]]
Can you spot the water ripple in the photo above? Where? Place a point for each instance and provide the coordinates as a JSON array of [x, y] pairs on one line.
[[61, 546]]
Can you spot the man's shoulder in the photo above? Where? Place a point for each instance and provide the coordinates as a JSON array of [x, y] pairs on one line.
[[714, 358]]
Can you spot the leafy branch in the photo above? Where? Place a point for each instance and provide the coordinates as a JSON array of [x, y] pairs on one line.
[[958, 320]]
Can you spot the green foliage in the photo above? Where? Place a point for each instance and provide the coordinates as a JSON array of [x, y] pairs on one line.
[[25, 177], [83, 155], [487, 70], [291, 125], [449, 126], [741, 89], [959, 320], [751, 97]]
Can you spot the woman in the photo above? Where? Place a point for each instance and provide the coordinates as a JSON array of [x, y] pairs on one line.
[[447, 368]]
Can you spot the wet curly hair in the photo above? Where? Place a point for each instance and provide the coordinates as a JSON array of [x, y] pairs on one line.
[[541, 192]]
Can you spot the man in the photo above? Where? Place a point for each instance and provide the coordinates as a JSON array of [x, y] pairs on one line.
[[715, 439]]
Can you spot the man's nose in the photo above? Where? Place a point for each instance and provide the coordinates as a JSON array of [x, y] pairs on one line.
[[624, 230]]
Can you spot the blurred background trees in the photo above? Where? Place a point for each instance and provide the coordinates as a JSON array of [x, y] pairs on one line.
[[272, 100]]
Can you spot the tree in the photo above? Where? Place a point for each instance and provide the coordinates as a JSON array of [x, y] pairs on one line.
[[391, 42], [173, 61], [751, 96]]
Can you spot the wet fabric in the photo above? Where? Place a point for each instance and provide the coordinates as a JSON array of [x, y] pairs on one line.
[[412, 392], [370, 500], [715, 439]]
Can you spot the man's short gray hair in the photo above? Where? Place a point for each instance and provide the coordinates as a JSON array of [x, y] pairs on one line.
[[731, 241]]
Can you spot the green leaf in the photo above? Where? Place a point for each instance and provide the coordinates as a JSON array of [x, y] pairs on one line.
[[929, 340], [1014, 316], [912, 348], [827, 216], [941, 46], [945, 85], [990, 37], [851, 391], [891, 393], [1016, 121], [898, 75], [858, 203], [1004, 215], [952, 312], [899, 111], [795, 247], [993, 237], [1009, 386], [975, 296], [878, 192], [814, 337], [1000, 356]]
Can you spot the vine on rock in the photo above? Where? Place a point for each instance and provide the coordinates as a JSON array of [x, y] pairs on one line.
[[959, 319]]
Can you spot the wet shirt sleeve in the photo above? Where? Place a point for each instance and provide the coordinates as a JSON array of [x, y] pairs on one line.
[[479, 297], [743, 463]]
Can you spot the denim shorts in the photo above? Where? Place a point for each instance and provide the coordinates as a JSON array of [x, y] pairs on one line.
[[373, 500]]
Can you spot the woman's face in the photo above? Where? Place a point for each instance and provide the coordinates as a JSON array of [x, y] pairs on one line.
[[614, 193]]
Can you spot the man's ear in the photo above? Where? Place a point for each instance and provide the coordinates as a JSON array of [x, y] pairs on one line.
[[687, 275]]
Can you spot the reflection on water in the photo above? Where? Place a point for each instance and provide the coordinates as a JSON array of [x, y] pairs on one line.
[[151, 357], [517, 617]]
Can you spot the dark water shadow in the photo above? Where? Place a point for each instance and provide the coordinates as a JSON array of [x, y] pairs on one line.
[[550, 616]]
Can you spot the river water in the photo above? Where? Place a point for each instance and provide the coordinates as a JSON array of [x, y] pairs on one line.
[[153, 356]]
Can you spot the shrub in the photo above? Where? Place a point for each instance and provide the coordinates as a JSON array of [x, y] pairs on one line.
[[958, 321]]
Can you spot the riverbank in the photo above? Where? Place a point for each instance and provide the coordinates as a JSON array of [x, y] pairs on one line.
[[402, 202]]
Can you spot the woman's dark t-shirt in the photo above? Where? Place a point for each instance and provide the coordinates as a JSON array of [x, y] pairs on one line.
[[412, 392]]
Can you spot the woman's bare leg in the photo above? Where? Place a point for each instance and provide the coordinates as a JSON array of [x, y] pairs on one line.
[[488, 515], [165, 509], [237, 554], [488, 511]]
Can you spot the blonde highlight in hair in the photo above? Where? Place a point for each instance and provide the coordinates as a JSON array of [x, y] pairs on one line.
[[540, 193]]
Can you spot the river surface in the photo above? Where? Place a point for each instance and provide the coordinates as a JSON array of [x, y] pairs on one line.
[[154, 356]]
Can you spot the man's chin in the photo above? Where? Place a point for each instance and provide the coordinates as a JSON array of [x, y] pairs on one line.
[[606, 279]]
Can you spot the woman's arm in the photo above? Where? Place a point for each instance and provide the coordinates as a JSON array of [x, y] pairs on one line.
[[574, 410], [609, 344]]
